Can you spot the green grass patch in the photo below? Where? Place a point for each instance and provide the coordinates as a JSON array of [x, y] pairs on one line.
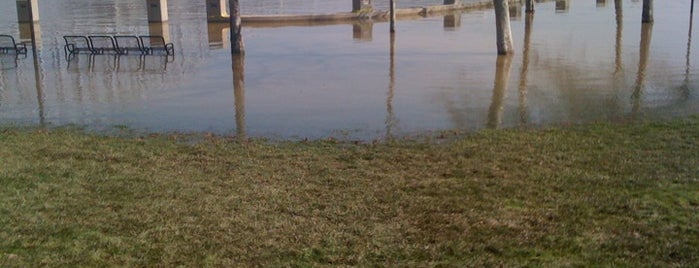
[[593, 195]]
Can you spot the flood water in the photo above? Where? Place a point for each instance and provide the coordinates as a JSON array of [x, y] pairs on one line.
[[577, 61]]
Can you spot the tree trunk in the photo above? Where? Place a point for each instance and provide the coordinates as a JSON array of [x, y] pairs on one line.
[[237, 45], [647, 11], [504, 31]]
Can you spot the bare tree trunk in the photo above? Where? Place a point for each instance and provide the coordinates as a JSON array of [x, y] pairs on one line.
[[502, 23], [647, 11], [237, 45], [393, 15], [530, 6]]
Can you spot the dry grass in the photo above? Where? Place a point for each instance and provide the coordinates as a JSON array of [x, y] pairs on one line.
[[594, 195]]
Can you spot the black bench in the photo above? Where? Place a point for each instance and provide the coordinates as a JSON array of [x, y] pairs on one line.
[[127, 43], [7, 44], [152, 43], [100, 44], [75, 44]]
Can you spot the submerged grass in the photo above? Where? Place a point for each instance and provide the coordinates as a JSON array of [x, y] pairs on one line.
[[602, 195]]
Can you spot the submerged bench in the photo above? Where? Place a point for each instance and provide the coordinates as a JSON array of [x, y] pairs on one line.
[[119, 44], [7, 44]]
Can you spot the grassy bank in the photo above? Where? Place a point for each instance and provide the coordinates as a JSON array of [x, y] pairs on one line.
[[600, 194]]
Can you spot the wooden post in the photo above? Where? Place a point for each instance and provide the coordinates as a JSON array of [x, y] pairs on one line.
[[529, 6], [647, 11], [502, 25], [237, 45], [393, 16]]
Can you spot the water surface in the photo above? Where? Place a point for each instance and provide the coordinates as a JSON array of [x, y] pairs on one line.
[[575, 62]]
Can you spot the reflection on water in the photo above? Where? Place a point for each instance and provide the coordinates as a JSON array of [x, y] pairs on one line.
[[315, 81], [524, 69], [502, 76], [619, 11], [646, 34], [239, 89]]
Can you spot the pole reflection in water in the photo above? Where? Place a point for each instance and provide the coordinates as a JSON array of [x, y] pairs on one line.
[[562, 6], [619, 9], [37, 67], [25, 32], [239, 93], [601, 3], [502, 76], [524, 72], [685, 91], [363, 31], [217, 32], [646, 36], [452, 21], [391, 120]]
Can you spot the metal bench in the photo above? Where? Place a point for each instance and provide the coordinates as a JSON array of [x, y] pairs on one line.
[[101, 44], [7, 44], [75, 44], [152, 43], [127, 43]]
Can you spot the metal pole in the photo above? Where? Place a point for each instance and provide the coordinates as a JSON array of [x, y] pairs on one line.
[[393, 16], [691, 10]]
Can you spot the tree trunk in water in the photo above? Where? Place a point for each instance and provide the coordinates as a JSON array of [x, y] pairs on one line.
[[644, 52], [647, 11], [502, 23], [239, 93], [530, 6], [502, 77], [237, 45], [524, 72]]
